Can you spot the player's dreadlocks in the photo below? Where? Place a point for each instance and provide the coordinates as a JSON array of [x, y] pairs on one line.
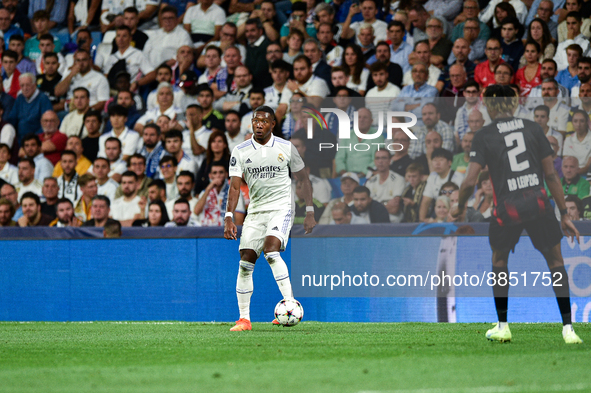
[[501, 98]]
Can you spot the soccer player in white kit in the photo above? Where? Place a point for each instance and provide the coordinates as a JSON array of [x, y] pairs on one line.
[[264, 162]]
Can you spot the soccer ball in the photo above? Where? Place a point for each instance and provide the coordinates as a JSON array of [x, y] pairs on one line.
[[289, 312]]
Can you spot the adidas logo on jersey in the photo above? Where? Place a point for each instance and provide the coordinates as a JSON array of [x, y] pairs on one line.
[[275, 229], [248, 161]]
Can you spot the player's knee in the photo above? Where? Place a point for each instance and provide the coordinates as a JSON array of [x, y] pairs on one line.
[[245, 269], [272, 256]]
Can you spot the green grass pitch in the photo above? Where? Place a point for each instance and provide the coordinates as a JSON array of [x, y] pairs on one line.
[[311, 357]]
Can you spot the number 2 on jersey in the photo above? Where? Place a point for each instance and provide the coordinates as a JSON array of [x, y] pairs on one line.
[[515, 151]]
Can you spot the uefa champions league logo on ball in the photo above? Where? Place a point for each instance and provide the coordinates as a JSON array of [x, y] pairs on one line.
[[345, 129]]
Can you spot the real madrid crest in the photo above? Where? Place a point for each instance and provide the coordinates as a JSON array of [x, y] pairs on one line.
[[280, 157]]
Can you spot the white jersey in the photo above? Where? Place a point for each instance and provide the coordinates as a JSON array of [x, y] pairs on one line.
[[266, 172]]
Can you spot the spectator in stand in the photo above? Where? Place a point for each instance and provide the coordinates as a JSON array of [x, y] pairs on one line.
[[68, 182], [574, 206], [573, 25], [340, 214], [548, 72], [354, 66], [400, 50], [182, 215], [7, 133], [422, 54], [255, 51], [542, 117], [256, 98], [210, 206], [538, 32], [6, 102], [556, 158], [320, 68], [50, 190], [544, 12], [29, 108], [442, 173], [386, 186], [307, 84], [394, 70], [117, 164], [152, 149], [504, 74], [49, 79], [23, 64], [420, 90], [217, 150], [297, 21], [568, 77], [460, 53], [278, 95], [82, 75], [157, 216], [7, 28], [511, 44], [73, 123], [237, 98], [212, 118], [228, 38], [127, 100], [173, 142], [32, 149], [413, 193], [138, 38], [204, 22], [331, 51], [26, 177], [83, 164], [349, 181], [380, 97], [432, 122], [584, 77], [93, 125], [6, 213], [106, 186], [359, 161], [101, 209], [471, 9], [141, 71], [32, 216], [164, 42], [484, 72], [400, 159], [559, 112], [47, 46], [461, 160], [137, 164], [8, 191], [365, 210], [578, 144], [126, 208], [41, 23], [454, 93], [440, 46], [65, 215], [528, 77], [294, 121], [89, 189], [53, 142], [168, 167], [295, 40], [129, 139], [369, 11], [10, 74], [214, 72], [8, 172], [165, 99], [572, 182]]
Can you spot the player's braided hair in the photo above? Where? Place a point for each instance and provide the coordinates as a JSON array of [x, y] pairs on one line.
[[501, 98]]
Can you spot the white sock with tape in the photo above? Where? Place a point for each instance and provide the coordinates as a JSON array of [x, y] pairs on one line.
[[280, 273]]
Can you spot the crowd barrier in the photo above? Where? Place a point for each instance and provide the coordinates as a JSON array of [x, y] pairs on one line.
[[189, 274]]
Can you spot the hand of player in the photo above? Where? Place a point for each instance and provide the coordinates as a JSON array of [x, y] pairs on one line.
[[229, 229], [569, 228], [455, 211], [309, 223]]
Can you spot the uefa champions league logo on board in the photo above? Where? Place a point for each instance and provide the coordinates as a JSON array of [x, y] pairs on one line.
[[344, 132]]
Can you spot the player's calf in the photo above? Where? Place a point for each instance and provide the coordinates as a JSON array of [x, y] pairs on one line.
[[280, 273]]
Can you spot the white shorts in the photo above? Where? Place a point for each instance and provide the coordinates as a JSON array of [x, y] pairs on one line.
[[257, 226]]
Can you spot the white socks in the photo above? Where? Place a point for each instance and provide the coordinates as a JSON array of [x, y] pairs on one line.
[[280, 273], [244, 288], [567, 328], [502, 325]]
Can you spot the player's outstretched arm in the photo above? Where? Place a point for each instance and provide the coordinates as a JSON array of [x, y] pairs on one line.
[[233, 194], [467, 188], [309, 221], [555, 187]]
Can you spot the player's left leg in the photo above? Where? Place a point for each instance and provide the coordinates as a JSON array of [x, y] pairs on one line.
[[280, 272], [561, 288], [501, 331], [546, 236]]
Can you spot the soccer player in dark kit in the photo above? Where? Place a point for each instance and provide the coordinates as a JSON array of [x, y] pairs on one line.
[[519, 159]]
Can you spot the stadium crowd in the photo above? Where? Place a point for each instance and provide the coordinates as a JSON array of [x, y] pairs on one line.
[[129, 112]]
